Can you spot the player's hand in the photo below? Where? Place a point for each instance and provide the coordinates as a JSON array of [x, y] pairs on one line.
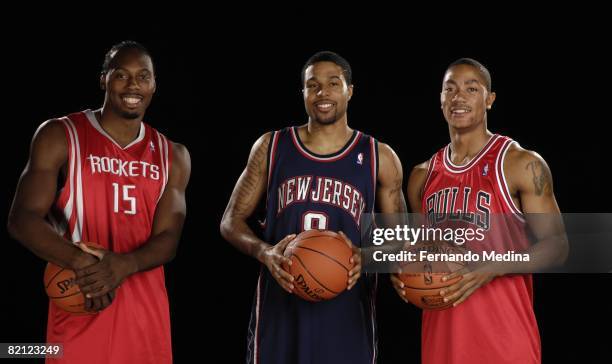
[[97, 304], [274, 259], [355, 273], [469, 283], [87, 259], [398, 285], [103, 277]]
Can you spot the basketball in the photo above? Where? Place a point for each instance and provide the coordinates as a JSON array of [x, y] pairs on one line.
[[61, 287], [423, 280], [320, 264], [62, 290]]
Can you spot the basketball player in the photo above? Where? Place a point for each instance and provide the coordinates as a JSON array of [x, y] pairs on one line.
[[492, 319], [123, 187], [320, 175]]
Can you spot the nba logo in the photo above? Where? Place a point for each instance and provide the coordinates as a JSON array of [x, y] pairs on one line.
[[360, 158], [485, 170], [152, 146]]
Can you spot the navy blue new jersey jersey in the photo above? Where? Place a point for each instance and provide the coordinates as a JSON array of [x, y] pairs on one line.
[[309, 191]]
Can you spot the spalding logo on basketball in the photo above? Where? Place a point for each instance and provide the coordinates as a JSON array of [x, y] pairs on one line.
[[423, 280], [62, 290], [320, 264]]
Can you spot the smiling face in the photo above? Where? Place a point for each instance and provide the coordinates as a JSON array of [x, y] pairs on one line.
[[326, 93], [129, 83], [465, 98]]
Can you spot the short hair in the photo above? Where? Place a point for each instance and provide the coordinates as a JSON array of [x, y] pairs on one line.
[[484, 72], [328, 56], [121, 46]]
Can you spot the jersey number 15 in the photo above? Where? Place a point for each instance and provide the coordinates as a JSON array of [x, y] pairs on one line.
[[125, 198]]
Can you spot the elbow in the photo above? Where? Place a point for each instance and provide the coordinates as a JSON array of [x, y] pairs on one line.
[[563, 252], [14, 227], [225, 228], [171, 256]]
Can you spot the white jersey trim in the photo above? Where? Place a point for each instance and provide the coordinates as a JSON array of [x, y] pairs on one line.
[[449, 165], [77, 232], [308, 154], [70, 175], [430, 169], [163, 150], [94, 122], [502, 183], [373, 318], [374, 166], [257, 310]]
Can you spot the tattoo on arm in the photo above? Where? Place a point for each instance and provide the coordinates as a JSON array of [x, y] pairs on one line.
[[255, 172], [542, 180], [396, 193]]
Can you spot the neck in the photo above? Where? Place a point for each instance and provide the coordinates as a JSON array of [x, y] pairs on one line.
[[325, 138], [122, 130], [466, 144], [328, 131]]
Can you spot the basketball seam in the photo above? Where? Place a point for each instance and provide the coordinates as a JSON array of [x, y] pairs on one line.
[[70, 295], [52, 278], [424, 289], [325, 255], [312, 276]]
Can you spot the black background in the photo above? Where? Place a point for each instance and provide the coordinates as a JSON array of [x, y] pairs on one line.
[[221, 86]]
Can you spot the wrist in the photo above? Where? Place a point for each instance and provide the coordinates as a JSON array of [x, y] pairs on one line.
[[80, 260], [131, 264], [259, 253]]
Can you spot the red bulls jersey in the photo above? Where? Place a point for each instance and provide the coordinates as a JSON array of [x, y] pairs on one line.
[[109, 197], [496, 324]]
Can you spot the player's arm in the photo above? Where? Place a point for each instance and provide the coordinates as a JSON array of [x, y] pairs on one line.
[[530, 182], [416, 183], [161, 247], [389, 193], [530, 178], [247, 193], [36, 191], [390, 201]]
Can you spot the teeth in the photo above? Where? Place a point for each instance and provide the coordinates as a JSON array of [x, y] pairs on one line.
[[324, 106], [460, 111], [131, 100]]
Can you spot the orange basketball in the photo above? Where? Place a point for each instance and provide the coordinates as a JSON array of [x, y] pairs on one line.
[[62, 290], [423, 280], [320, 264], [61, 287]]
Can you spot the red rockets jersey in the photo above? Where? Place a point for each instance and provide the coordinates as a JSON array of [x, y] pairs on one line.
[[109, 198], [496, 324]]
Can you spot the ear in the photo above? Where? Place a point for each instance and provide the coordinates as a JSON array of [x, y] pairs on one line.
[[490, 100], [350, 92], [103, 81]]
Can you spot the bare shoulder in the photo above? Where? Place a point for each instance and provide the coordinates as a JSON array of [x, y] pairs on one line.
[[524, 168], [418, 174], [387, 156], [390, 167], [385, 151], [421, 168], [262, 142], [181, 156], [49, 148], [416, 183], [520, 160], [519, 155], [51, 131]]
